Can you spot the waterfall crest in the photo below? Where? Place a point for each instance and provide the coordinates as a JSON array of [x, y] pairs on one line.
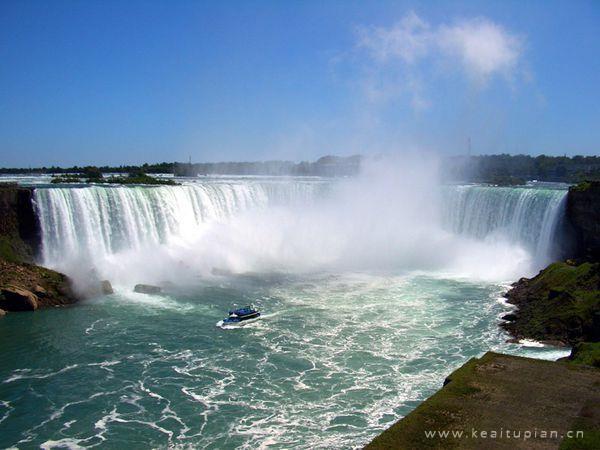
[[528, 216], [294, 224], [97, 221]]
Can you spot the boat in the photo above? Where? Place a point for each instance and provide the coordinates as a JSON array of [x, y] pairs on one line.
[[242, 316]]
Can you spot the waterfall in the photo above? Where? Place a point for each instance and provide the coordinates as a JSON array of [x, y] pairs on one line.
[[96, 221], [524, 215], [296, 224]]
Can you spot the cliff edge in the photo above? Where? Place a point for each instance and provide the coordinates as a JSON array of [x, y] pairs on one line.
[[560, 305], [19, 226], [505, 402], [25, 286], [583, 213]]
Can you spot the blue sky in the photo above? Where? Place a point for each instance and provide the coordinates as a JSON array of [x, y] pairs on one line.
[[111, 82]]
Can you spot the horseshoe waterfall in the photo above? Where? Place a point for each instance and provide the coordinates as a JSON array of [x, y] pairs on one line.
[[370, 293]]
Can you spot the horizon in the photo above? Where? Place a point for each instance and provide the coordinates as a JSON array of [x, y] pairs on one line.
[[105, 84], [297, 161]]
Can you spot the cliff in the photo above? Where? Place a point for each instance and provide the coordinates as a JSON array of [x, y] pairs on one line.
[[25, 286], [489, 401], [583, 214], [501, 401], [19, 226], [561, 304]]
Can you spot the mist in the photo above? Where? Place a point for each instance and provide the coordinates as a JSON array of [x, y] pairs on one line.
[[390, 218]]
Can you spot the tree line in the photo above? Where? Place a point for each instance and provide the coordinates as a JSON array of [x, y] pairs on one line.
[[497, 169]]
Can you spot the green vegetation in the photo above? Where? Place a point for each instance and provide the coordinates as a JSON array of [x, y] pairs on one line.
[[146, 168], [502, 392], [7, 251], [561, 303], [582, 187], [487, 168], [327, 166], [67, 178], [586, 422], [16, 223], [93, 175], [500, 180], [439, 412], [587, 353], [139, 178], [495, 169]]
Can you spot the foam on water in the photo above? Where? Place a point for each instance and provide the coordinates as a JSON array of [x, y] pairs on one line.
[[375, 290], [179, 234], [343, 357]]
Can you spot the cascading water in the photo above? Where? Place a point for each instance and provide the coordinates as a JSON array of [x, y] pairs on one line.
[[291, 224], [524, 215], [389, 285], [99, 221]]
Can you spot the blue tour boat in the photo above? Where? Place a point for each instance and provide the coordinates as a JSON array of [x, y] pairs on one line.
[[242, 316]]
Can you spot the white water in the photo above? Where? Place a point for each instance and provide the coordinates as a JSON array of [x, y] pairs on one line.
[[393, 255], [528, 216], [178, 233]]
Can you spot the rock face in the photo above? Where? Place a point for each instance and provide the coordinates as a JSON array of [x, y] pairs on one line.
[[147, 289], [106, 287], [583, 213], [26, 287], [19, 226], [18, 299], [560, 305], [488, 400], [586, 353]]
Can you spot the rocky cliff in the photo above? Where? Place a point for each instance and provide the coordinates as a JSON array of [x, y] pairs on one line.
[[583, 214], [561, 304], [505, 402], [19, 226], [25, 286]]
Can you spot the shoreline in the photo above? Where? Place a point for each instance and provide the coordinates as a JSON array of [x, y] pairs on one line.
[[560, 305], [528, 298]]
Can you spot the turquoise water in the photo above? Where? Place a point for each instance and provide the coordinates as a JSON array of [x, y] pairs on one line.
[[373, 290], [337, 359]]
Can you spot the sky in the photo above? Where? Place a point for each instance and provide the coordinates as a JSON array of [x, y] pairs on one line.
[[112, 82]]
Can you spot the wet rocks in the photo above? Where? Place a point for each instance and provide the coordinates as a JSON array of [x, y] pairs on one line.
[[106, 287], [510, 317], [147, 289], [27, 287], [17, 299], [560, 305]]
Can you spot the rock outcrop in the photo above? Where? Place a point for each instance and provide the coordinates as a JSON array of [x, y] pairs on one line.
[[27, 287], [147, 289], [559, 305], [505, 402], [17, 299], [106, 287], [583, 214], [19, 226], [24, 286]]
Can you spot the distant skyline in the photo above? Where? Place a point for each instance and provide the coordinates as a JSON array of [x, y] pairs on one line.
[[111, 83]]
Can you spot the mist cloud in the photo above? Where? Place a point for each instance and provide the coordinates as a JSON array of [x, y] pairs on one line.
[[484, 48], [412, 50]]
